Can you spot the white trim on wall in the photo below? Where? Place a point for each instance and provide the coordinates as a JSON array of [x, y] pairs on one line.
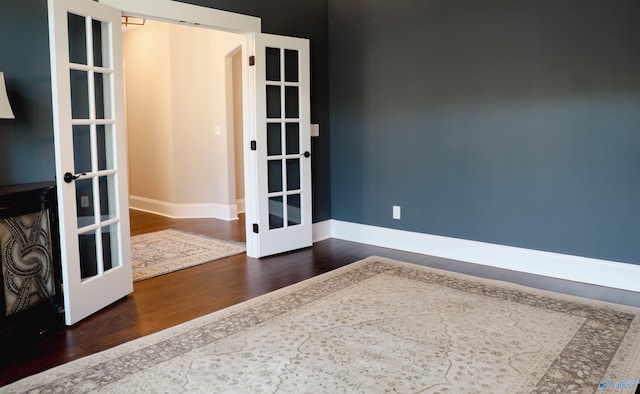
[[184, 211], [580, 269], [321, 230], [171, 11]]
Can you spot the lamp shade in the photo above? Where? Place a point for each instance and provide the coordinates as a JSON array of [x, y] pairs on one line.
[[5, 107]]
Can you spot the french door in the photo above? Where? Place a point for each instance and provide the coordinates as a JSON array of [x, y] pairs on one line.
[[90, 150], [90, 143], [282, 145]]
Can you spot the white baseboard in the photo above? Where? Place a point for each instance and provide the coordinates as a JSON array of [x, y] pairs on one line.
[[581, 269], [321, 230], [184, 211]]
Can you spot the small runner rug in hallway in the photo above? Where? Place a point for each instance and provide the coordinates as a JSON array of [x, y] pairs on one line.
[[170, 250]]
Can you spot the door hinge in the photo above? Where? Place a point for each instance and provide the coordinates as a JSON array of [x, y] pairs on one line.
[[254, 145], [252, 60], [255, 228]]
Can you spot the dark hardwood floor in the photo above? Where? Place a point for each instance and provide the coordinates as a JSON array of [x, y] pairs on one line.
[[167, 300]]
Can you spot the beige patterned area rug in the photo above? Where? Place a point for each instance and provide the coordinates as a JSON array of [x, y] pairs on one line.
[[377, 326], [170, 250]]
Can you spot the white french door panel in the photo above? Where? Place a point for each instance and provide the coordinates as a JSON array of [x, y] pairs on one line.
[[281, 161], [90, 151]]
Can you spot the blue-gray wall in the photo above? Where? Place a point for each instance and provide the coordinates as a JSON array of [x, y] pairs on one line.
[[26, 144], [514, 122]]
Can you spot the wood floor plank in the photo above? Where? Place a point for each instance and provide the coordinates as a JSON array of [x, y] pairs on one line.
[[171, 299]]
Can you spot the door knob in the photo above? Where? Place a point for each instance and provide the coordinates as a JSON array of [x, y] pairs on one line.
[[69, 177], [307, 154]]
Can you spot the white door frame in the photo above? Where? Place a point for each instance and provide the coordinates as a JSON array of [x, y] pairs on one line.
[[248, 27]]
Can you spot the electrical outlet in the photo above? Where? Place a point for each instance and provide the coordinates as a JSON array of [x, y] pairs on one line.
[[84, 201], [396, 212]]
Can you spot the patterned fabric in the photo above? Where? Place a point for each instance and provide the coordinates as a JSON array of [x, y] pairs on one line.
[[26, 261], [376, 326], [170, 250]]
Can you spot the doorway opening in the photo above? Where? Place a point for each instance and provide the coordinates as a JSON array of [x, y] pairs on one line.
[[275, 104], [183, 95]]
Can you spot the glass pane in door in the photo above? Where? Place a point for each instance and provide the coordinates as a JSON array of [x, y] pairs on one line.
[[293, 174], [274, 139], [103, 90], [274, 106], [276, 213], [84, 202], [77, 38], [88, 252], [106, 151], [104, 148], [273, 64], [291, 65], [292, 102], [110, 255], [274, 176], [79, 94], [294, 215], [101, 55], [81, 148], [293, 138], [107, 197]]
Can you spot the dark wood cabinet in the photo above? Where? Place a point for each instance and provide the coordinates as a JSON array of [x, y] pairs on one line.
[[31, 295]]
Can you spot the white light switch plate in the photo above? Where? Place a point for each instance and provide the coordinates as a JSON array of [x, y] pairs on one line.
[[315, 130]]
